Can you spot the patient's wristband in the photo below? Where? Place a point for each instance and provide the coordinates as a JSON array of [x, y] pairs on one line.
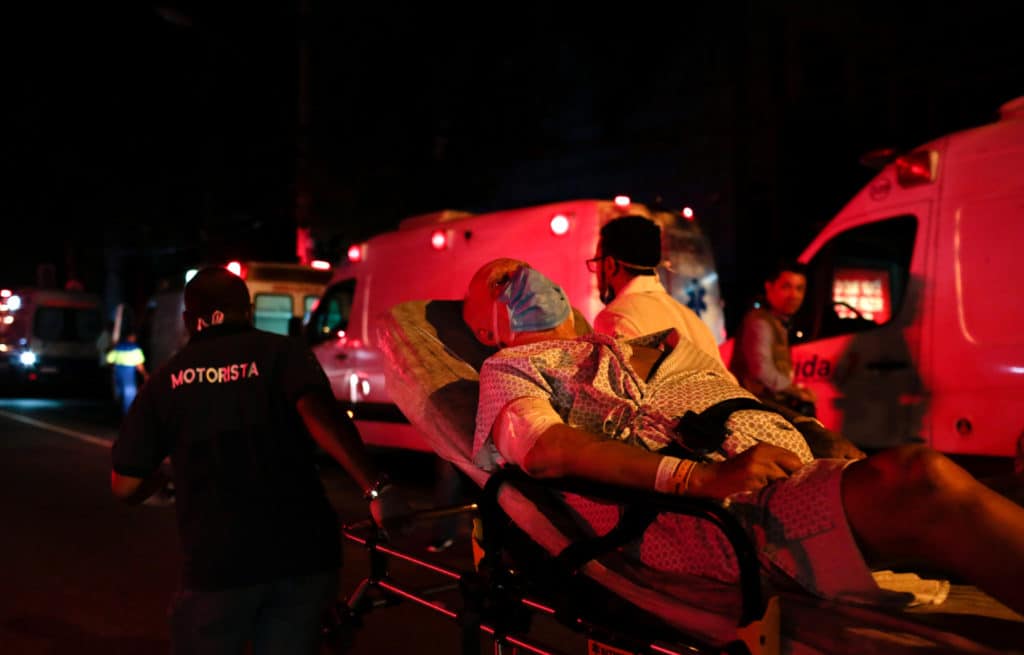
[[673, 476]]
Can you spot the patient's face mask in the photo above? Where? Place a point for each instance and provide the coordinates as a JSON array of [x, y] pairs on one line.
[[604, 290], [534, 303]]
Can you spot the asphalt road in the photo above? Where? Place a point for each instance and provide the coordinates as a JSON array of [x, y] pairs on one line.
[[83, 573]]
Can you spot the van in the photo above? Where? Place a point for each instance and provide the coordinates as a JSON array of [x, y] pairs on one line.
[[911, 329], [434, 256], [49, 336], [283, 294]]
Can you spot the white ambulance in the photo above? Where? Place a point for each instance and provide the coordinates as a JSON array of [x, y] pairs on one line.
[[911, 329], [283, 295], [433, 257], [49, 335]]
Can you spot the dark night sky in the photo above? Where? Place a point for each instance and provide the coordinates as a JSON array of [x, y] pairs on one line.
[[157, 139]]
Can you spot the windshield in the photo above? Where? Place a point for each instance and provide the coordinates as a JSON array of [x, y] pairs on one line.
[[67, 324], [332, 312]]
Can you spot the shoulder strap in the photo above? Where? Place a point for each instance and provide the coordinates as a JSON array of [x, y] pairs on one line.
[[705, 432]]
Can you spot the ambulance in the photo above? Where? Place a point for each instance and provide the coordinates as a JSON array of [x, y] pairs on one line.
[[911, 330], [283, 295], [434, 256], [49, 336]]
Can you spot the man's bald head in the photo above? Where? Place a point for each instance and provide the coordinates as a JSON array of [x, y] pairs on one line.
[[509, 303], [215, 295], [483, 291]]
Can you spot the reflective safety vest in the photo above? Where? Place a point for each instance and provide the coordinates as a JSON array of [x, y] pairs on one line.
[[126, 355]]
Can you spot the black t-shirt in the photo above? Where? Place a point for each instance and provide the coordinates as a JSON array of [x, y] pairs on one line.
[[250, 503]]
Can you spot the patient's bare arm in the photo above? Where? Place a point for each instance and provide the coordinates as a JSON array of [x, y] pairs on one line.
[[564, 451]]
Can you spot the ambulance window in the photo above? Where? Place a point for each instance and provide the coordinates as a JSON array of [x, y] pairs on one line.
[[308, 303], [272, 312], [858, 280], [332, 313], [66, 324]]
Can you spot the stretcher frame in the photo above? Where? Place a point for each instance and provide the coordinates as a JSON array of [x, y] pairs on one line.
[[786, 622]]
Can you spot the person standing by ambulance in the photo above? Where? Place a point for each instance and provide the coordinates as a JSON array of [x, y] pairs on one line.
[[761, 360], [128, 361], [240, 412]]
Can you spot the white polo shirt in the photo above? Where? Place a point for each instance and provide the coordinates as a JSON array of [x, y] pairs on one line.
[[643, 307]]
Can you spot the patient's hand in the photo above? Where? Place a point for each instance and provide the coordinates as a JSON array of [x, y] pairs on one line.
[[749, 471], [825, 443]]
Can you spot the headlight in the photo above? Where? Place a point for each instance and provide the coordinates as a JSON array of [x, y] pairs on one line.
[[27, 358]]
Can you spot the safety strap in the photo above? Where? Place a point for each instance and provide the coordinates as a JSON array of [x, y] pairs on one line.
[[703, 433], [631, 525]]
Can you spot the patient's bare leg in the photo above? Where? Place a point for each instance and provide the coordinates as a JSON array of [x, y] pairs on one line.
[[1010, 485], [912, 503]]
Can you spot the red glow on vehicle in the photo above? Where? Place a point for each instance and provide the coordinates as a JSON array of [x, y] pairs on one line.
[[622, 201], [916, 168], [355, 253], [438, 240], [235, 267], [341, 334], [688, 213], [320, 265], [559, 224], [866, 290]]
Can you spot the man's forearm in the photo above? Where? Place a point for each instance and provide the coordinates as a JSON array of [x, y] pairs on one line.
[[822, 441], [337, 437], [134, 490], [564, 451]]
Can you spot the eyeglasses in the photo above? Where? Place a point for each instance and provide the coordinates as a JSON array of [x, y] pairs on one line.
[[594, 263]]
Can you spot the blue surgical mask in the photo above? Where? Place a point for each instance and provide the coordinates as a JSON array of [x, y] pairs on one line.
[[534, 302]]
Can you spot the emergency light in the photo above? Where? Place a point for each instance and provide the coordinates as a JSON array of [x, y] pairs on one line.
[[438, 240], [916, 168], [622, 201], [559, 224], [320, 265], [355, 253], [688, 213], [235, 267]]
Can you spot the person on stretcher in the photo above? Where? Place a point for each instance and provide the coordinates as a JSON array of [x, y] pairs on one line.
[[593, 407]]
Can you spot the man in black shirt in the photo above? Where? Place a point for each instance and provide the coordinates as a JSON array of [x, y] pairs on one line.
[[235, 410]]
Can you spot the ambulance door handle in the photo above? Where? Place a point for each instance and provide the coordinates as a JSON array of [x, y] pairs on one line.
[[884, 365]]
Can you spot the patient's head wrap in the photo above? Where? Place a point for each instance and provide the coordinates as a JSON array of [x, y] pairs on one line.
[[534, 302]]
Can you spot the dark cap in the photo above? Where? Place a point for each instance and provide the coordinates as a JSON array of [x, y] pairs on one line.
[[632, 240], [216, 289]]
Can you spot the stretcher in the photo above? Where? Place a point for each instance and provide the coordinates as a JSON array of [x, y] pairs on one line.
[[534, 559]]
